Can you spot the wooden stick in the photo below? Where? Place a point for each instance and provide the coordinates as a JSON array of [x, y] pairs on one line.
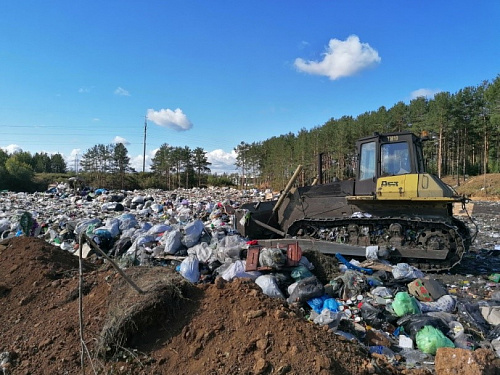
[[80, 304], [118, 269]]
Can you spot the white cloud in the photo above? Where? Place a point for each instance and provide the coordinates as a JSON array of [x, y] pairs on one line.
[[84, 90], [341, 59], [75, 152], [121, 140], [303, 44], [426, 93], [121, 92], [72, 160], [175, 120], [222, 162], [136, 161], [10, 149]]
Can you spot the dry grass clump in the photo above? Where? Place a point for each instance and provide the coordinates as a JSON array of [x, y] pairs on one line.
[[131, 314]]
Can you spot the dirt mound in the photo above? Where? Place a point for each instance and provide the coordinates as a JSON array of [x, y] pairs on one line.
[[172, 328], [481, 187]]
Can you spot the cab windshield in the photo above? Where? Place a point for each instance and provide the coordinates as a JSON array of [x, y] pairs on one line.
[[394, 159]]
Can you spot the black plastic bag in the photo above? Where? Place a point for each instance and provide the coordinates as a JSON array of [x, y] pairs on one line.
[[373, 316], [471, 318], [412, 324], [306, 289]]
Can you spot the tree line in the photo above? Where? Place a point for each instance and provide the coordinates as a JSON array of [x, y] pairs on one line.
[[171, 167], [18, 169], [464, 128]]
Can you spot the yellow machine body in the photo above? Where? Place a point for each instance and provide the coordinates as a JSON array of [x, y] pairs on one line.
[[421, 186]]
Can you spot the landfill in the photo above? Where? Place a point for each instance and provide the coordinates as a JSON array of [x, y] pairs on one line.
[[393, 314]]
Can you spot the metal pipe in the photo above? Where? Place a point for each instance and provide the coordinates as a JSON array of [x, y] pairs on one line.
[[287, 188]]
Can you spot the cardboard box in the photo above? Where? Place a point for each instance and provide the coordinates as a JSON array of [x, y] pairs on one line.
[[426, 290]]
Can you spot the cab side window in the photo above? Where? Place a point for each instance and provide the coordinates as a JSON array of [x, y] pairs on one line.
[[367, 162]]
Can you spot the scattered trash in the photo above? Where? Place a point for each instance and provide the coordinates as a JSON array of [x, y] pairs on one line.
[[394, 310]]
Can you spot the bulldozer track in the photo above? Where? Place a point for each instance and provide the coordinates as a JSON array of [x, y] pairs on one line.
[[428, 244]]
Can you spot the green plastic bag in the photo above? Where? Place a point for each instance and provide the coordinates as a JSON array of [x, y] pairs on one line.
[[404, 304], [300, 272], [429, 339]]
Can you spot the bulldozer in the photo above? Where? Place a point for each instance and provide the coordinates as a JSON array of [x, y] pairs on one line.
[[393, 206]]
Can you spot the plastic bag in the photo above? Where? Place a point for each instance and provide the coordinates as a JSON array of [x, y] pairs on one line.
[[306, 289], [316, 303], [405, 304], [372, 252], [138, 199], [412, 324], [157, 208], [269, 286], [350, 284], [237, 269], [189, 268], [83, 225], [470, 316], [128, 223], [272, 257], [331, 304], [382, 291], [429, 339], [229, 248], [202, 251], [301, 272], [445, 303], [172, 241], [306, 263], [405, 271], [414, 357], [328, 317], [113, 229], [4, 225], [103, 238], [121, 246], [372, 316], [158, 229], [192, 233]]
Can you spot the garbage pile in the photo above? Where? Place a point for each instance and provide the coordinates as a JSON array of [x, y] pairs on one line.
[[394, 310]]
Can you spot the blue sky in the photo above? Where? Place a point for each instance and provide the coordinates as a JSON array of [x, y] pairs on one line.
[[211, 74]]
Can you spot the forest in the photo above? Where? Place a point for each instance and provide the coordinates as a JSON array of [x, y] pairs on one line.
[[464, 130]]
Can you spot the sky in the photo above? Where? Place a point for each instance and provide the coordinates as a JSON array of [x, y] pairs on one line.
[[213, 74]]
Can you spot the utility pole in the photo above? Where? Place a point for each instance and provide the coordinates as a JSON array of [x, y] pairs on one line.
[[144, 152], [76, 164]]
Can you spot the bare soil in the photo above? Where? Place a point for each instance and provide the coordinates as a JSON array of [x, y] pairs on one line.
[[173, 327], [482, 187]]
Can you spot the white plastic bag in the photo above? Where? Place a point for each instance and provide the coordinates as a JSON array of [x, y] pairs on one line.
[[269, 286], [405, 271], [202, 251], [189, 268], [192, 233], [237, 270], [172, 241]]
